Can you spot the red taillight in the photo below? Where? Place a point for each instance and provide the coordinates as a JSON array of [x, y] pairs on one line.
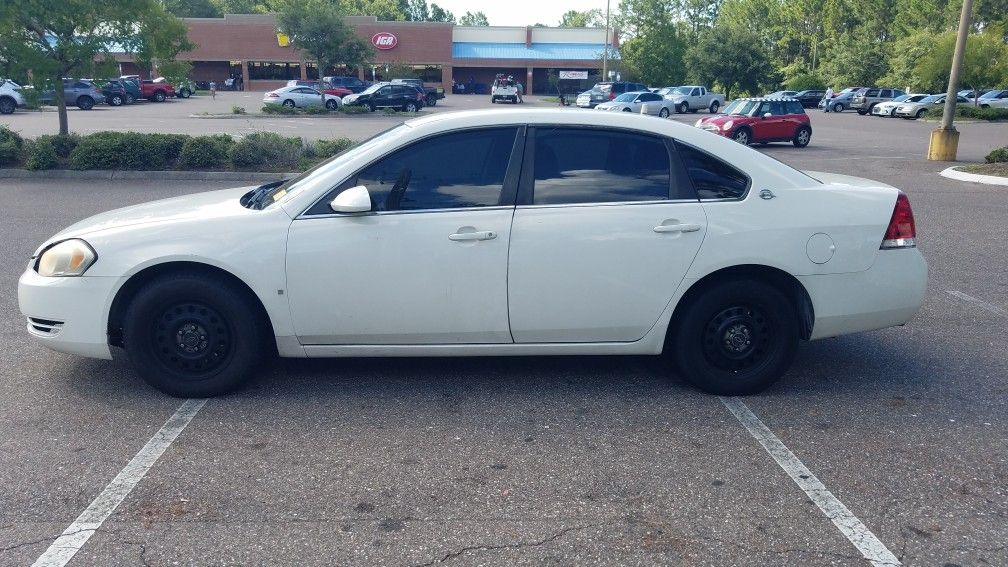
[[902, 233]]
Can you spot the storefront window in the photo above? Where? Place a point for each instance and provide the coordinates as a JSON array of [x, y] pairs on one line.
[[311, 71], [269, 71]]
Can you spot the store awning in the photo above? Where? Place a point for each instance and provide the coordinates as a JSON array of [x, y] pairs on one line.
[[541, 51]]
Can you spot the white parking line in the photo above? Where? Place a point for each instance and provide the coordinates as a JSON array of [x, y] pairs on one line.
[[74, 537], [863, 539], [979, 302]]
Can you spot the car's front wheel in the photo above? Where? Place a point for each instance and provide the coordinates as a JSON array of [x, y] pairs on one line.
[[663, 113], [735, 338], [115, 100], [683, 108], [742, 136], [288, 103], [159, 96], [714, 107], [85, 103], [331, 104], [7, 105], [191, 335], [130, 99]]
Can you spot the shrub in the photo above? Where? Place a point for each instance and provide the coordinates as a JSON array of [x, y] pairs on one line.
[[237, 110], [63, 145], [206, 152], [42, 155], [266, 151], [973, 112], [32, 98], [999, 155], [316, 110], [127, 150], [325, 149], [278, 109], [354, 109], [390, 110], [11, 144]]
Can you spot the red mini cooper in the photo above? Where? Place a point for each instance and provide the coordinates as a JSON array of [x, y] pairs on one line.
[[761, 120]]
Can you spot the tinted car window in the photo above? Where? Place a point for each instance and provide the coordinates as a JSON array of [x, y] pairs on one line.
[[711, 177], [416, 177], [777, 108], [576, 165], [871, 92], [794, 107]]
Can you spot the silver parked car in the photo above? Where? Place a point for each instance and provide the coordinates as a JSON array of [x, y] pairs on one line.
[[865, 99], [77, 92], [300, 97], [889, 108], [915, 110], [632, 102]]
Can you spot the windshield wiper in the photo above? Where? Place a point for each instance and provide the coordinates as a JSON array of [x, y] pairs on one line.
[[255, 199]]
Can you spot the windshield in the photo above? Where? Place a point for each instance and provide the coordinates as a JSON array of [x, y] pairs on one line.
[[741, 107], [683, 90], [268, 194], [901, 98], [602, 88], [372, 88], [626, 97], [932, 98], [849, 90], [992, 94]]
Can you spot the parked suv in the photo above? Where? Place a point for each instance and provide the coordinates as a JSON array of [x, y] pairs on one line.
[[840, 100], [865, 99], [386, 95], [353, 83], [434, 94], [10, 96], [606, 91], [78, 92], [761, 120], [810, 99]]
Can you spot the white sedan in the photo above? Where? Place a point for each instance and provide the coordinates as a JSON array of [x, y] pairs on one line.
[[300, 97], [632, 102], [549, 233]]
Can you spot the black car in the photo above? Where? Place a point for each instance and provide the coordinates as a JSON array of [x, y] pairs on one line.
[[433, 94], [809, 99], [353, 83], [386, 95]]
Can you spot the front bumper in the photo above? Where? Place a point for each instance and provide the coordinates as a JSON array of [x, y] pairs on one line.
[[68, 314], [887, 294]]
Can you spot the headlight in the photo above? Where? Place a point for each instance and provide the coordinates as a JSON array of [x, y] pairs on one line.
[[727, 125], [68, 258]]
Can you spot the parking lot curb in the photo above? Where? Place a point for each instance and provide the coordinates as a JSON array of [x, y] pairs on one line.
[[251, 176], [953, 173]]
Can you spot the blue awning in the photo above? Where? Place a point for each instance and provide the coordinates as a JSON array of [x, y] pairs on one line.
[[543, 51]]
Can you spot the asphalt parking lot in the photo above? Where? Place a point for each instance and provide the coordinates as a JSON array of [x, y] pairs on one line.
[[534, 461]]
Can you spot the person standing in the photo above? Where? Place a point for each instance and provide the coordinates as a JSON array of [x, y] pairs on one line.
[[521, 90], [213, 90], [828, 98]]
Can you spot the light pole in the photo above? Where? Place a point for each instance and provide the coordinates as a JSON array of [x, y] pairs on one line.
[[605, 52], [945, 140]]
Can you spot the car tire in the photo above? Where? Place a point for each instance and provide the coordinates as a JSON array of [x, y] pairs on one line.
[[625, 109], [493, 100], [159, 96], [288, 103], [743, 136], [861, 111], [714, 107], [7, 105], [185, 93], [920, 114], [331, 104], [130, 99], [838, 107], [683, 108], [411, 107], [663, 113], [802, 137], [372, 107], [85, 103], [892, 113], [735, 338], [984, 106], [115, 100], [191, 335]]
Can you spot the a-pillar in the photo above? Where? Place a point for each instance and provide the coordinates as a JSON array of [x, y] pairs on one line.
[[528, 80]]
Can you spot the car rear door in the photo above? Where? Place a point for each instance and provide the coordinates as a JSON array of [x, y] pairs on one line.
[[428, 263], [605, 230]]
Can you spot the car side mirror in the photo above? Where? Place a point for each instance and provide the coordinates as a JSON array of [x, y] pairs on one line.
[[767, 115], [353, 200]]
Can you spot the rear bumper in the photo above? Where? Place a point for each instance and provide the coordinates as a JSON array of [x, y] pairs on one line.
[[887, 294], [68, 314]]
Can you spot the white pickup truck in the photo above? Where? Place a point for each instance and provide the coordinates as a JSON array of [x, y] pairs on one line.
[[691, 98]]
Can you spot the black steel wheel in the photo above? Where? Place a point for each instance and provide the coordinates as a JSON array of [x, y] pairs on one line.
[[193, 335], [734, 338]]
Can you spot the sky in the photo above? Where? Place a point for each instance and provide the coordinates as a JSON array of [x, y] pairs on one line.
[[520, 12]]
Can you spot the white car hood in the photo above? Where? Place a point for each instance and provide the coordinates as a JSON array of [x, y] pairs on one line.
[[206, 206]]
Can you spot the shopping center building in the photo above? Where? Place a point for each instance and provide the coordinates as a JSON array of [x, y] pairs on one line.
[[442, 54]]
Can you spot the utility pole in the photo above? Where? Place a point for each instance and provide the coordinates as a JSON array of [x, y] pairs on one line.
[[945, 140], [605, 52]]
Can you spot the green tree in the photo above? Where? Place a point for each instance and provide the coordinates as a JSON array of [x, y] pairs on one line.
[[730, 58], [193, 8], [439, 14], [477, 19], [654, 49], [317, 27], [386, 10], [985, 62], [62, 38], [586, 19]]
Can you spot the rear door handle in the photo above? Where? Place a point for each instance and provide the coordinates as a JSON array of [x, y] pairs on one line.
[[677, 228], [468, 236]]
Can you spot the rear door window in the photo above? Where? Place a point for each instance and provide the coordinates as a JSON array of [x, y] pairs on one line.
[[794, 107], [712, 178], [589, 165]]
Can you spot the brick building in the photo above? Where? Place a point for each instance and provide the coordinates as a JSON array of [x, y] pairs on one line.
[[248, 46]]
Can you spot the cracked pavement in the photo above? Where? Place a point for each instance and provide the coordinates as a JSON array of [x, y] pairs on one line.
[[550, 461]]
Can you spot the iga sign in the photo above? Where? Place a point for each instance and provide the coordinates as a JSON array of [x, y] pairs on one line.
[[573, 74], [384, 40]]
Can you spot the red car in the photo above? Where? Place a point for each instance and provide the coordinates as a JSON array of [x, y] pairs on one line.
[[761, 120], [328, 89]]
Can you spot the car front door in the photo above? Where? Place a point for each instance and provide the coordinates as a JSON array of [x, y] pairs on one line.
[[383, 96], [428, 263], [605, 230], [763, 126]]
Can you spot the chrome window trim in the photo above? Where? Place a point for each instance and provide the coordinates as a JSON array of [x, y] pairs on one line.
[[413, 212], [607, 204]]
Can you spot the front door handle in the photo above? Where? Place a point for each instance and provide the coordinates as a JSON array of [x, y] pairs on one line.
[[677, 228], [468, 236]]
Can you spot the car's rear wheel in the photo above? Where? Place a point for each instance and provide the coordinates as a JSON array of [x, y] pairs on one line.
[[191, 335], [130, 99], [115, 100], [714, 107], [7, 105], [663, 113], [185, 92], [432, 100], [331, 104], [411, 107], [742, 136], [735, 338], [838, 107], [626, 109], [862, 111], [159, 96], [288, 103], [683, 108], [802, 137], [85, 103]]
